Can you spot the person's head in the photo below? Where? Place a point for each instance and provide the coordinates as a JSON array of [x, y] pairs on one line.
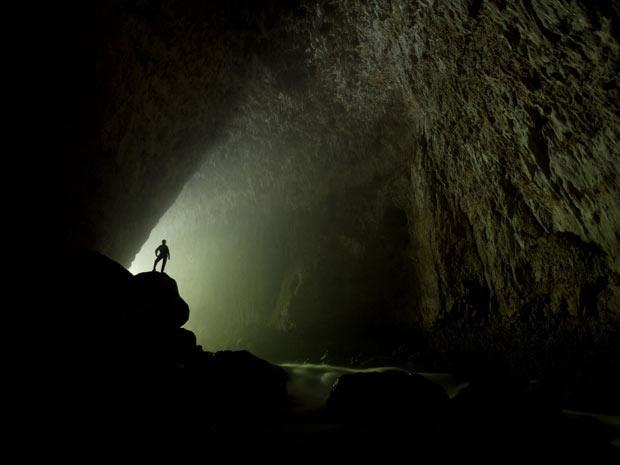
[[164, 242]]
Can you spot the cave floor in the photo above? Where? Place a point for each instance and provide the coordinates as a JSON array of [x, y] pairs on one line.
[[303, 434]]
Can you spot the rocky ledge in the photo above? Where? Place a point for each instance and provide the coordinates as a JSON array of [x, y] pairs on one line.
[[160, 389]]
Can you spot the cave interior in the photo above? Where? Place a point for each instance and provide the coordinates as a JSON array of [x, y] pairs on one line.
[[431, 186]]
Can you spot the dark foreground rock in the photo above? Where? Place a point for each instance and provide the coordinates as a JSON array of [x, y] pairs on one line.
[[236, 383], [390, 397], [111, 346], [132, 322], [103, 290], [146, 377], [93, 287], [154, 300], [495, 418]]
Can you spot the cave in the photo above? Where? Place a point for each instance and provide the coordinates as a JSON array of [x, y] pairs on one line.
[[354, 194]]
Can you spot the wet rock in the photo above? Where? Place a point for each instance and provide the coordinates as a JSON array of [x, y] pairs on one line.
[[392, 397]]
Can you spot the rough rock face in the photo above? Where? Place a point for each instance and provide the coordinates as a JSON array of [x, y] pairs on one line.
[[143, 361], [419, 164]]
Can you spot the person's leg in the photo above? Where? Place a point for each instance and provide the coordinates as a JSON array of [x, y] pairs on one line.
[[163, 264], [156, 261]]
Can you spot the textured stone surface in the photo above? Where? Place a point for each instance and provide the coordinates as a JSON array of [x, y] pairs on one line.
[[415, 165], [385, 167]]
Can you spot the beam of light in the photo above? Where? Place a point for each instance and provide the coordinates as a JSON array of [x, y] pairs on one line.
[[211, 247]]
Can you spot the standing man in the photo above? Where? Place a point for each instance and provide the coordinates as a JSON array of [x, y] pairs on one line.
[[162, 253]]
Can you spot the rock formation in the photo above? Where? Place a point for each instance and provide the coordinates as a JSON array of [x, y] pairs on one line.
[[439, 176], [138, 382], [393, 399], [419, 174]]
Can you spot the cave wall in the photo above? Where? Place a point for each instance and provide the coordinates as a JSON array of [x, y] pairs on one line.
[[449, 169], [107, 153], [513, 125], [421, 164], [167, 74]]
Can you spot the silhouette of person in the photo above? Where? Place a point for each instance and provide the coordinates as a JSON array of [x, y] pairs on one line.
[[163, 253]]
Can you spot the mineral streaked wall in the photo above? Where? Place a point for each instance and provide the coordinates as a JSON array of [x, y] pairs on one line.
[[421, 163]]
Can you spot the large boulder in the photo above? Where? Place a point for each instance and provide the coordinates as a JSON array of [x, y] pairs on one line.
[[90, 285], [499, 417], [392, 397], [79, 307], [129, 321], [237, 382], [154, 302]]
